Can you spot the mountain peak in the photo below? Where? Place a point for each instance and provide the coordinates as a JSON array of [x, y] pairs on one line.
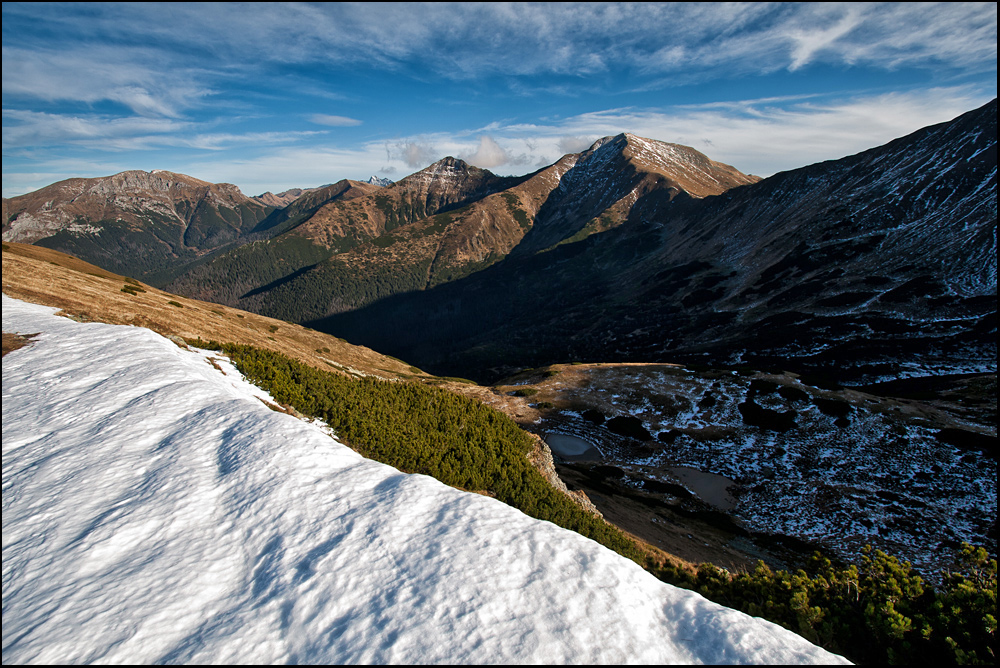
[[187, 214], [448, 163], [690, 170], [451, 173], [379, 181], [693, 171]]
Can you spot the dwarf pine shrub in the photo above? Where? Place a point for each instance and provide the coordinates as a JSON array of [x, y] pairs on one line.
[[421, 429]]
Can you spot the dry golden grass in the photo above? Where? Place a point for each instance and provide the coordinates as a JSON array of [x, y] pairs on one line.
[[86, 292], [15, 341]]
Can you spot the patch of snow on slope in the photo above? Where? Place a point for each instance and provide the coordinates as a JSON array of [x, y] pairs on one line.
[[155, 511]]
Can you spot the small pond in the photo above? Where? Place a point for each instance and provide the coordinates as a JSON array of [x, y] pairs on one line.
[[710, 487], [572, 448]]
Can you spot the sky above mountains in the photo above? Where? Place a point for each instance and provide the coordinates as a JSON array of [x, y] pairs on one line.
[[272, 97]]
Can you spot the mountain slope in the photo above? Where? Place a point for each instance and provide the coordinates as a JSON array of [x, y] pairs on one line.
[[851, 267], [90, 293], [134, 222], [319, 226], [156, 511]]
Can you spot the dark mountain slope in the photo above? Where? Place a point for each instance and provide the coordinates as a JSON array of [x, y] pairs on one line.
[[874, 266], [134, 223]]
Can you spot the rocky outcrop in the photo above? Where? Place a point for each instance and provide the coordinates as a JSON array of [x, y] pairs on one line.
[[541, 458]]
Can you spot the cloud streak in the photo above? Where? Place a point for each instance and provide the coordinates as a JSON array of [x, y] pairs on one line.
[[760, 136], [25, 129], [334, 121], [464, 41]]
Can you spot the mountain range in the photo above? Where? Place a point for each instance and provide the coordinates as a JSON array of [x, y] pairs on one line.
[[868, 268], [873, 267]]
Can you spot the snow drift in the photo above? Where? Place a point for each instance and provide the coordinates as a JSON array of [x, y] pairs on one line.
[[155, 510]]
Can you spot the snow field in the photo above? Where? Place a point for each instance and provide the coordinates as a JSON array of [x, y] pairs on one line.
[[155, 510]]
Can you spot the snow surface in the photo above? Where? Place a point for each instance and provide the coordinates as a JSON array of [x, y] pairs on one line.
[[155, 510]]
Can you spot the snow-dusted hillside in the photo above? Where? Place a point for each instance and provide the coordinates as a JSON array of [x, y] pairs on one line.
[[155, 510]]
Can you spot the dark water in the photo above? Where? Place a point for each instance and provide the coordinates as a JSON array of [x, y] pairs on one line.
[[710, 487], [572, 448]]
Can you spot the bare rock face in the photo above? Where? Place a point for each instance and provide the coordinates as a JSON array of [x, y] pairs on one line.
[[541, 458]]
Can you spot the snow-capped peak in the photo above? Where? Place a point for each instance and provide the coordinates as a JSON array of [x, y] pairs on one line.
[[379, 181]]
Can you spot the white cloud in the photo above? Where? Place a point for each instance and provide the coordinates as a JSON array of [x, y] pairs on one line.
[[575, 144], [38, 129], [487, 155], [808, 42], [31, 129], [334, 121], [414, 153], [140, 79]]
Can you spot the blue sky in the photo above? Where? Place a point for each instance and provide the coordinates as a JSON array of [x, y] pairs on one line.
[[272, 97]]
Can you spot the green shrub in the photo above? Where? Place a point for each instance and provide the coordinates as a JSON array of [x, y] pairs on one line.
[[525, 392], [173, 303], [422, 429], [203, 344], [879, 612]]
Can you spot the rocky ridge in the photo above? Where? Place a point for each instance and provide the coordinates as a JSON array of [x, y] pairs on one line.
[[134, 222], [452, 220]]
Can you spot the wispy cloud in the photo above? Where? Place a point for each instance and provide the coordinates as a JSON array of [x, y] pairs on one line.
[[180, 82], [761, 136], [489, 154], [31, 129], [139, 79], [467, 40], [334, 121], [415, 153], [40, 129]]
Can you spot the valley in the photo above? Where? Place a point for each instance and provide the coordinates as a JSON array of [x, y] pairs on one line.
[[790, 467]]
